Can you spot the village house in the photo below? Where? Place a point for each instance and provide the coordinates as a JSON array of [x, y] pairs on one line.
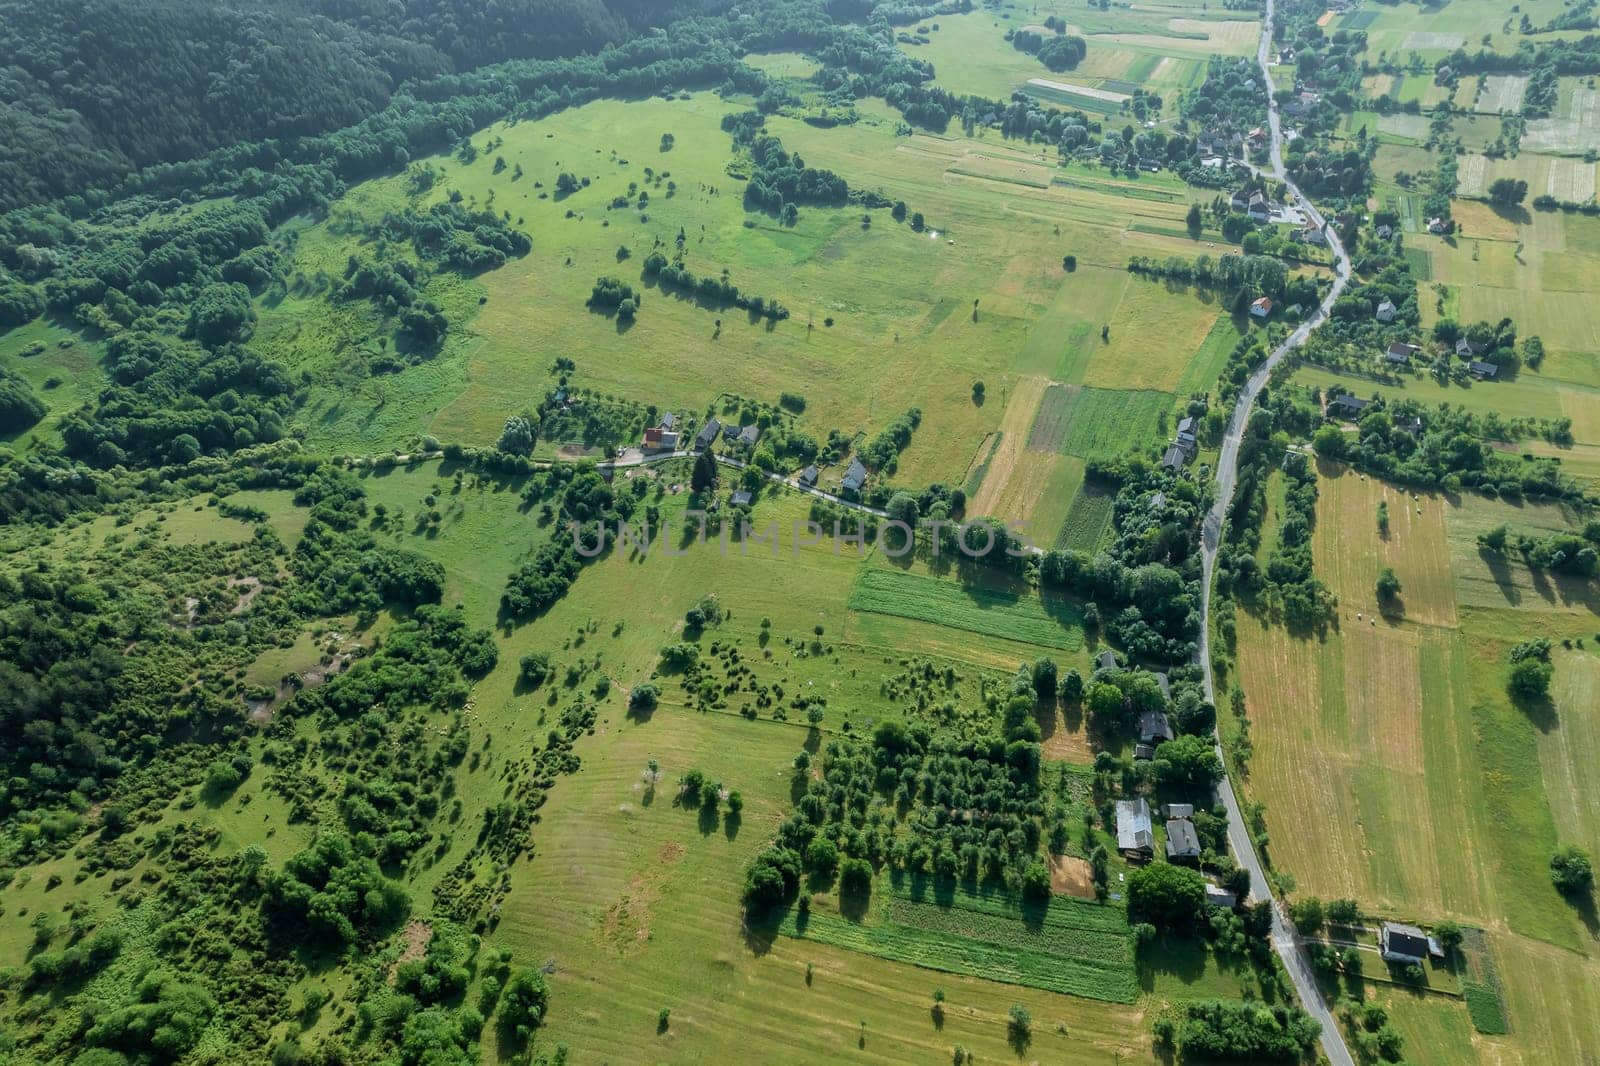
[[1240, 200], [808, 476], [1481, 370], [1437, 225], [1385, 231], [1177, 810], [707, 435], [1404, 944], [1469, 349], [855, 476], [1260, 210], [1261, 306], [1154, 728], [741, 498], [1348, 406], [1400, 353], [1174, 457], [1135, 837], [1182, 841], [1106, 660], [1386, 311]]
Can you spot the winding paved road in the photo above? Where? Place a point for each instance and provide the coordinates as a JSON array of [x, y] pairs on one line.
[[1284, 941]]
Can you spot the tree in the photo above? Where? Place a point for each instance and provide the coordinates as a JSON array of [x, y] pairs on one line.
[[1530, 680], [1044, 679], [534, 668], [855, 877], [1388, 585], [1069, 263], [220, 314], [1072, 686], [524, 1001], [822, 855], [644, 697], [1448, 934], [517, 438], [1188, 763], [1307, 914], [1195, 220], [917, 221], [1571, 871], [1506, 192], [704, 475], [1021, 1022], [1036, 881], [1166, 896], [1330, 442]]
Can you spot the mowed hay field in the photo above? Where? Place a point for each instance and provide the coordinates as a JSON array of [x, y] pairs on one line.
[[990, 238], [1396, 771]]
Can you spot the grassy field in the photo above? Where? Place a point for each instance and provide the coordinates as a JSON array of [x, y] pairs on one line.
[[1395, 770], [856, 347]]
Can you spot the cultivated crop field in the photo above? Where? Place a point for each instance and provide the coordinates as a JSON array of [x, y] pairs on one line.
[[1013, 614]]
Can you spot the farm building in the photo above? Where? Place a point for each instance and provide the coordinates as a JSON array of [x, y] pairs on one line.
[[1240, 199], [808, 476], [1154, 727], [707, 435], [1261, 307], [1481, 370], [1438, 225], [1177, 810], [1182, 841], [669, 421], [1402, 943], [1134, 834], [1186, 432], [855, 476], [1106, 660], [1385, 232], [1143, 752], [1164, 682], [1259, 210], [1174, 457], [1220, 897], [1468, 349], [740, 498], [1386, 311]]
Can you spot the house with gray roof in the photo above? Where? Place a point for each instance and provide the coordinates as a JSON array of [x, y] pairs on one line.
[[1182, 841], [707, 435], [855, 476], [1405, 944], [1154, 727], [1135, 837]]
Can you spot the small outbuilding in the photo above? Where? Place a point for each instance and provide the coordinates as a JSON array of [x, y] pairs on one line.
[[1386, 311]]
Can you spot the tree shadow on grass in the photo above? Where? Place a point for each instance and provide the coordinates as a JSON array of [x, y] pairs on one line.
[[760, 930]]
